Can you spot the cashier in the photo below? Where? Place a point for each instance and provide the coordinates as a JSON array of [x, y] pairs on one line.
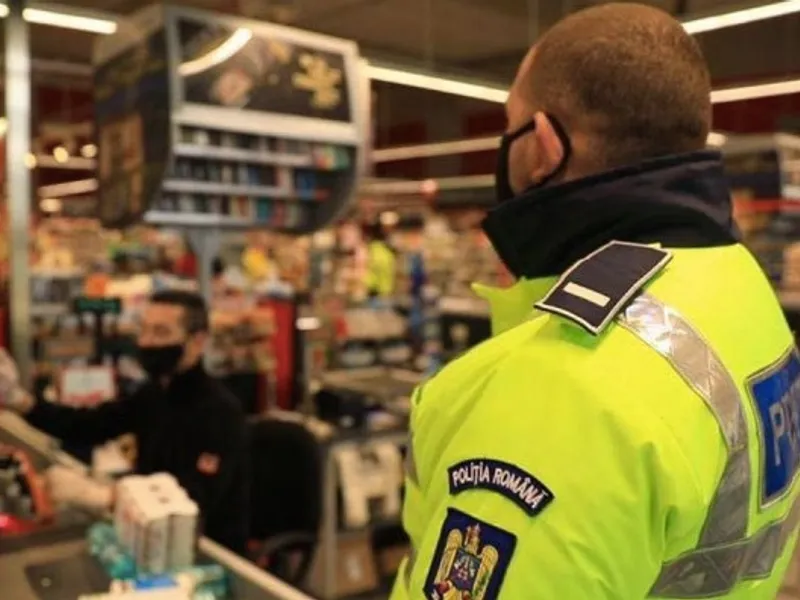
[[185, 422]]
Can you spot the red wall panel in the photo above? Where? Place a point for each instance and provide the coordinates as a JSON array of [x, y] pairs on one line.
[[62, 104], [482, 124], [763, 115], [402, 134]]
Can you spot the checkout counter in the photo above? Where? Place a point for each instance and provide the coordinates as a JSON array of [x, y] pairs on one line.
[[54, 563]]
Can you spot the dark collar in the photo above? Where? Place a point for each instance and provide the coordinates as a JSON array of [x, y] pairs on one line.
[[678, 201], [189, 385]]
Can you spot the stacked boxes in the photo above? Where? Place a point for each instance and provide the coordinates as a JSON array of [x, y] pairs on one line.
[[156, 522]]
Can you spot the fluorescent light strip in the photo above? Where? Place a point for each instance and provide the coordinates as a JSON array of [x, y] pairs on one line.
[[494, 94], [752, 92], [66, 20], [436, 149], [434, 83], [456, 147], [743, 16]]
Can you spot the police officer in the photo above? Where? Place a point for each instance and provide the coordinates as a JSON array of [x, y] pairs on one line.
[[632, 429], [184, 421]]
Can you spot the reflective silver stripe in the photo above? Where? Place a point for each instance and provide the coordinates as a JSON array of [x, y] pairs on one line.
[[713, 572], [662, 328], [721, 555], [768, 545]]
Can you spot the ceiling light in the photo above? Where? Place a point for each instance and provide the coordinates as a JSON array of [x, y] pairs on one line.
[[716, 139], [30, 160], [434, 83], [50, 205], [308, 323], [743, 16], [89, 151], [61, 154], [389, 219], [751, 92], [67, 20]]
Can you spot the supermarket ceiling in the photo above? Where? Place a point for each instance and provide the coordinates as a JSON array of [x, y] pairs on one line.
[[482, 38]]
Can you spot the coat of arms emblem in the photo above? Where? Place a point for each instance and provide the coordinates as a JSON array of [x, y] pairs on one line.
[[465, 568]]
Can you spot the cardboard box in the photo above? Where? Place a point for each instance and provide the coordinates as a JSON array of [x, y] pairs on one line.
[[356, 569]]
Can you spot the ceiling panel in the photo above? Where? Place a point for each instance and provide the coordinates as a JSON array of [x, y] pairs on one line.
[[444, 30], [483, 38]]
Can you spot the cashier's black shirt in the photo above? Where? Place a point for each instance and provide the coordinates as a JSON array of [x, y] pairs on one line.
[[194, 429]]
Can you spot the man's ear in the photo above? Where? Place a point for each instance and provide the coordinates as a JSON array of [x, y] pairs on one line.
[[198, 341], [549, 148]]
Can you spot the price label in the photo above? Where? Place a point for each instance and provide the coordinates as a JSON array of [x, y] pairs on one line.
[[87, 386]]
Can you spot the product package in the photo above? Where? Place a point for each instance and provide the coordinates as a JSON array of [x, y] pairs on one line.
[[156, 523]]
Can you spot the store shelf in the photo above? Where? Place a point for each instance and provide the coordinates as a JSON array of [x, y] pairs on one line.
[[187, 219], [213, 188], [243, 155], [49, 309], [791, 192]]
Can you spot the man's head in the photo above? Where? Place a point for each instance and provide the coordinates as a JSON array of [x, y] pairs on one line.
[[623, 82], [173, 333]]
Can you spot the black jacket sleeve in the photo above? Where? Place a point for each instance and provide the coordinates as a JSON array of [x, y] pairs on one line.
[[89, 426]]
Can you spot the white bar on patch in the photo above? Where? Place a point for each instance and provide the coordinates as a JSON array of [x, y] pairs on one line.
[[579, 291]]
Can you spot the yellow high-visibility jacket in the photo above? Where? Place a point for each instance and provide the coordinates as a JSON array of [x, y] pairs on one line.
[[635, 435]]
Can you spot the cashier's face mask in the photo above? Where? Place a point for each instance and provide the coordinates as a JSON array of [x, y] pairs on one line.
[[160, 361]]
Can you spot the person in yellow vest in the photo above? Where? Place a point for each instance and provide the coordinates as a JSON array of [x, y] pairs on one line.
[[632, 430], [381, 271]]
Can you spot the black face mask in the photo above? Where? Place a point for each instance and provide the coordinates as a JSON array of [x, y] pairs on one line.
[[503, 189], [160, 361]]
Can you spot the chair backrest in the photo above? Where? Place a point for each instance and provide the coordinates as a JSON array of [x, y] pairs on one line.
[[287, 479]]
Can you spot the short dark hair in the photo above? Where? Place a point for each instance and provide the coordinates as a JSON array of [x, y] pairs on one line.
[[629, 77], [194, 306]]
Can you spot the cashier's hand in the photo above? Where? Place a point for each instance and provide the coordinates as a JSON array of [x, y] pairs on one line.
[[12, 396], [70, 487]]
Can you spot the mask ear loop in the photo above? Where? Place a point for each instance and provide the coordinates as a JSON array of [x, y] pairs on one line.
[[565, 145], [527, 128]]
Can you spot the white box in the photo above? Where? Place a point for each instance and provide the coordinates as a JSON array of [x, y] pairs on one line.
[[183, 533], [163, 483], [153, 537], [129, 492]]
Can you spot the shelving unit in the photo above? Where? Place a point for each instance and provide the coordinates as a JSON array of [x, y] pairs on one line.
[[209, 122], [764, 176], [224, 123], [255, 180]]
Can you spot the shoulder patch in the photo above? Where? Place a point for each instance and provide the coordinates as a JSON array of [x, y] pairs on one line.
[[471, 559], [596, 288], [508, 480]]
